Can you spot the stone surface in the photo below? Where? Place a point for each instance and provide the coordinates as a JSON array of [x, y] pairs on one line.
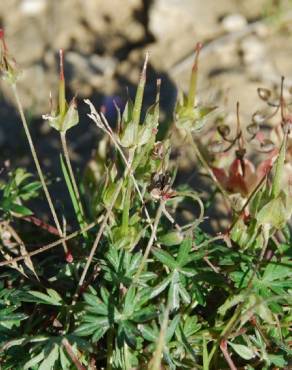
[[105, 43]]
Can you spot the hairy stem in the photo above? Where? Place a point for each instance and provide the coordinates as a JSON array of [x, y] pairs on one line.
[[37, 164]]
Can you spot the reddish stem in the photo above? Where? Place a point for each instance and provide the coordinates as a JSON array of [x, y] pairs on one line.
[[43, 225], [61, 53], [224, 349]]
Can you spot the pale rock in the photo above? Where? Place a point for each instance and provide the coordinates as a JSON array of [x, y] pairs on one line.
[[253, 49], [33, 7], [110, 18], [234, 22], [88, 73]]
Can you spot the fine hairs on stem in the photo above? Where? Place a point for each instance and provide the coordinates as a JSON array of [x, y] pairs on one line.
[[37, 164]]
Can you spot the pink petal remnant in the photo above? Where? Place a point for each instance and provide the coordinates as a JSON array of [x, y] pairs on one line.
[[69, 257], [198, 48], [2, 38]]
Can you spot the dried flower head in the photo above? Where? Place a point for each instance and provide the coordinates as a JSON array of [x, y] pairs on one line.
[[8, 67]]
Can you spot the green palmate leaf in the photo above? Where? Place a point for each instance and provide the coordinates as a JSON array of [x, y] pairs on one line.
[[164, 258], [105, 295], [278, 360], [98, 321], [160, 287], [99, 333], [277, 271], [145, 314], [93, 325], [129, 304], [51, 299], [149, 333], [183, 253], [49, 362], [131, 333], [184, 294], [171, 328], [95, 304], [85, 330], [65, 362], [243, 351], [174, 291], [191, 325], [34, 361]]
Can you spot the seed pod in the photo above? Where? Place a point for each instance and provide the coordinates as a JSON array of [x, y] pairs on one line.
[[223, 130], [216, 147], [253, 129], [264, 94], [267, 145]]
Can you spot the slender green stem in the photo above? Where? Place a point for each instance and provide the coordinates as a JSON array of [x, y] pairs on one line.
[[150, 242], [71, 173], [126, 208], [37, 164]]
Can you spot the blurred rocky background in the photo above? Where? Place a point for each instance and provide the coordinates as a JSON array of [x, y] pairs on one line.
[[247, 44]]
